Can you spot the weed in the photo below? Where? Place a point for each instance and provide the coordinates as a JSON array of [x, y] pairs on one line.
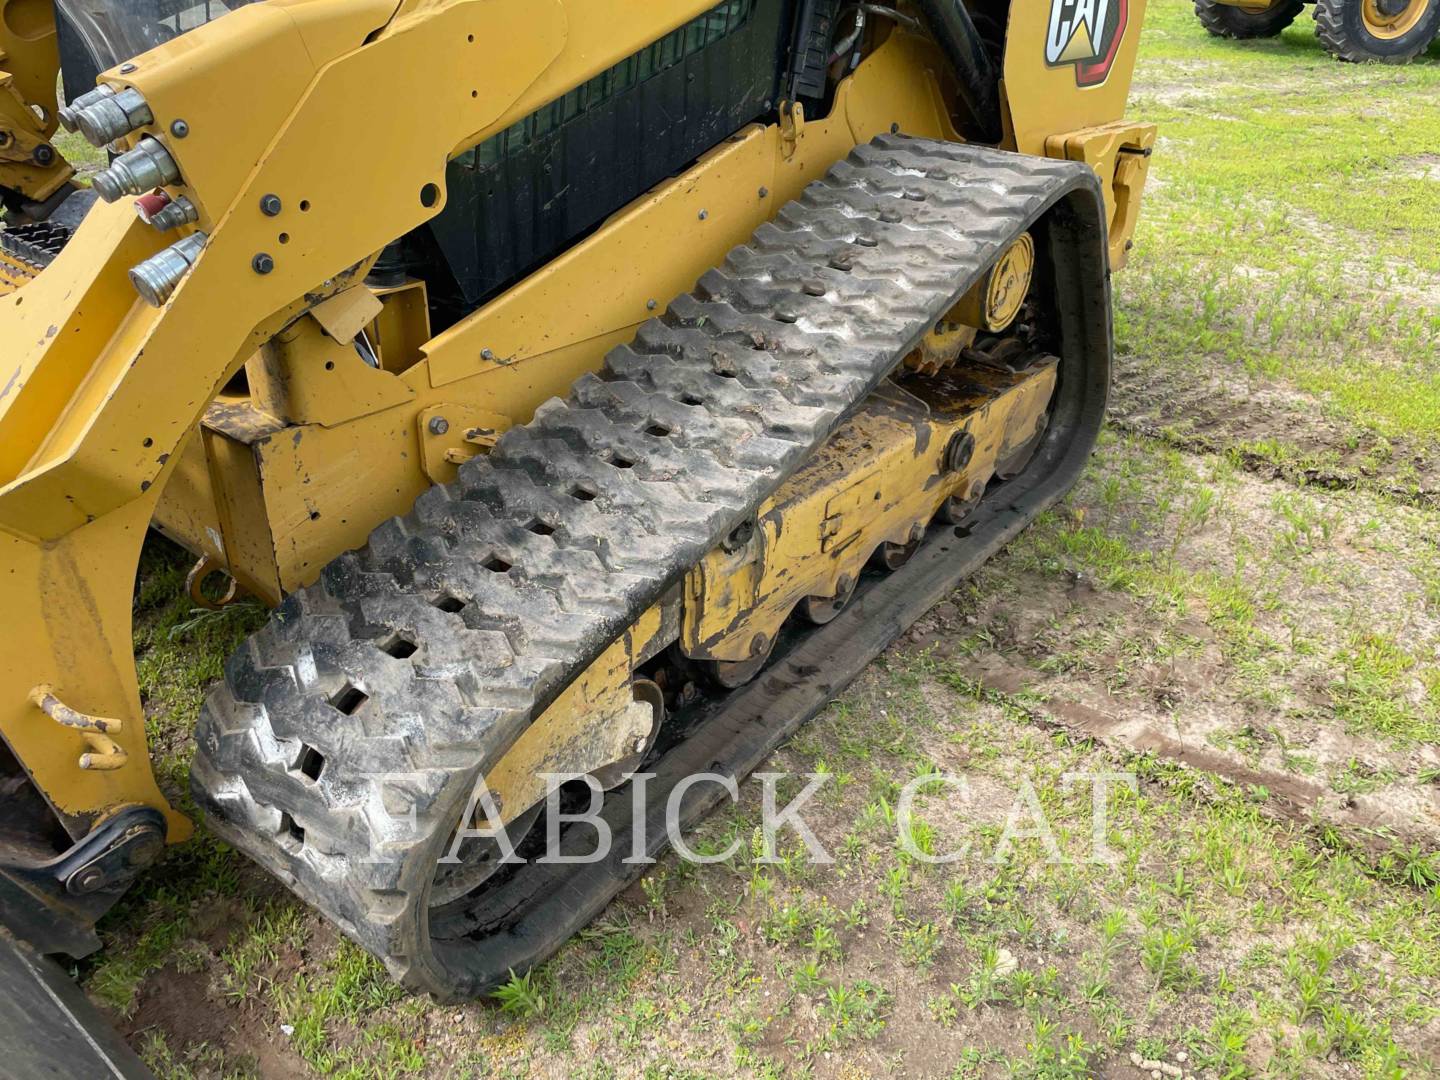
[[521, 996], [1163, 953], [857, 1011], [984, 985], [919, 944], [1411, 866]]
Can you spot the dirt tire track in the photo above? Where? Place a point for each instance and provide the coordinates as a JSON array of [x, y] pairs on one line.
[[1363, 821], [1206, 413]]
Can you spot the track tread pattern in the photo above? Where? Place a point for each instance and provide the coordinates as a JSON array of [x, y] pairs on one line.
[[746, 376]]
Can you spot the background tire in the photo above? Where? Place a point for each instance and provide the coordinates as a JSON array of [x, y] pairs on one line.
[[1385, 31], [1228, 21]]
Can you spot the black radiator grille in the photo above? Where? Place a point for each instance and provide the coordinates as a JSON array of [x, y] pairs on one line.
[[646, 64], [523, 196]]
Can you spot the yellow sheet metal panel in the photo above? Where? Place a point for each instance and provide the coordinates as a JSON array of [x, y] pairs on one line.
[[235, 81], [345, 314], [403, 327], [187, 512], [53, 332], [324, 489], [28, 163], [29, 51], [595, 721], [150, 382], [306, 376], [242, 524], [67, 626], [1068, 65], [29, 65], [1119, 153]]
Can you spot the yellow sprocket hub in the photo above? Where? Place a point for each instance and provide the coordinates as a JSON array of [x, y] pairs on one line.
[[990, 306], [1007, 286]]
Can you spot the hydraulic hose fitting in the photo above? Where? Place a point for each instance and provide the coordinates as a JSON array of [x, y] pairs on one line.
[[147, 206], [157, 277], [165, 213], [114, 117], [143, 169], [69, 115]]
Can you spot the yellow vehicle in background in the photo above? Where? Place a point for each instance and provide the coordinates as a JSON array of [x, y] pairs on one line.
[[592, 387], [1382, 31]]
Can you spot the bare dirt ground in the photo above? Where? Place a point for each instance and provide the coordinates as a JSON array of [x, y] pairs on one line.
[[1238, 609], [1272, 431]]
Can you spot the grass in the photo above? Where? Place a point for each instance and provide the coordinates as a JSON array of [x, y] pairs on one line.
[[1280, 585], [1262, 586], [1285, 237], [87, 159], [1198, 876]]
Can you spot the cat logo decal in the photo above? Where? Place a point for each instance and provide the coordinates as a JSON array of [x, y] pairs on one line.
[[1087, 35]]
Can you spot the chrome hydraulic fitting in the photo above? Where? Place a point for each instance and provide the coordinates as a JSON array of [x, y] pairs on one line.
[[114, 117], [143, 169], [158, 276], [69, 115], [165, 213]]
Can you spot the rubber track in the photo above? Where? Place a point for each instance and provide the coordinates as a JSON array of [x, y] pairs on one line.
[[595, 507]]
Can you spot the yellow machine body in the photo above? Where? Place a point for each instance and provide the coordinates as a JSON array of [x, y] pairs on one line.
[[816, 535]]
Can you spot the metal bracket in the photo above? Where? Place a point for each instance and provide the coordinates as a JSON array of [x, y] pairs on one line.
[[347, 313], [451, 435], [195, 580], [54, 904]]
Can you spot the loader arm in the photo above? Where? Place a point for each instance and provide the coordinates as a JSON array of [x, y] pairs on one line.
[[309, 101]]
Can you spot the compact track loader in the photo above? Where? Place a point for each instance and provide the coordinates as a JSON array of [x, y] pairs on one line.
[[592, 387], [1382, 31]]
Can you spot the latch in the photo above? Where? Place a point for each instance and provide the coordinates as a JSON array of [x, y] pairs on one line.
[[1119, 152], [792, 127]]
